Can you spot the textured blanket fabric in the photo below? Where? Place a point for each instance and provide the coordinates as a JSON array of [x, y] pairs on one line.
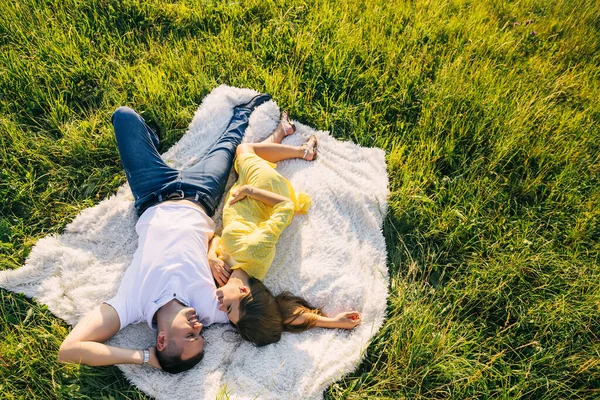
[[334, 256]]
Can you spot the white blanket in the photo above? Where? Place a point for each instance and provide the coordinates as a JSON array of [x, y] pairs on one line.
[[334, 256]]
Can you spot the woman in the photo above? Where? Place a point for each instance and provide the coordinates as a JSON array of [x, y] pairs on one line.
[[257, 209]]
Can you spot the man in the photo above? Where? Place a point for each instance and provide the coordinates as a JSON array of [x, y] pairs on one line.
[[169, 284]]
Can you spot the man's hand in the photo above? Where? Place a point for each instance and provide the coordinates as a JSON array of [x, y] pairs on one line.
[[347, 320], [219, 268], [153, 359]]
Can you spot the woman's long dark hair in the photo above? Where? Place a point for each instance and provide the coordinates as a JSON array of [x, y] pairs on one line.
[[263, 317]]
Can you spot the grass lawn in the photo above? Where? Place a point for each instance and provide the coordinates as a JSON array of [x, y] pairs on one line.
[[489, 113]]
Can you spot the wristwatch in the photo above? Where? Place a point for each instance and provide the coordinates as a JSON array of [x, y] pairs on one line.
[[146, 356]]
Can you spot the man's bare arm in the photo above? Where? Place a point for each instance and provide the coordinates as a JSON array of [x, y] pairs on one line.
[[85, 343]]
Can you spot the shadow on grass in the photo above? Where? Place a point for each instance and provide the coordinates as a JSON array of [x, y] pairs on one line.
[[28, 329]]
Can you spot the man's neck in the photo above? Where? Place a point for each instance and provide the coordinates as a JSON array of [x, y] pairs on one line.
[[167, 312]]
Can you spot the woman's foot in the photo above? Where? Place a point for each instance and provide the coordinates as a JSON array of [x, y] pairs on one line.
[[285, 128], [310, 149]]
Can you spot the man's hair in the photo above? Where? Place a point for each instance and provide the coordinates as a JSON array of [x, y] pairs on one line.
[[263, 317], [170, 359]]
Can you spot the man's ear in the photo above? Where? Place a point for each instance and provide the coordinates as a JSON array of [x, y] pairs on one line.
[[244, 289], [161, 341]]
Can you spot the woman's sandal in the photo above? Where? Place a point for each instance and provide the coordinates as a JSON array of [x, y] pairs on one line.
[[308, 147], [288, 126]]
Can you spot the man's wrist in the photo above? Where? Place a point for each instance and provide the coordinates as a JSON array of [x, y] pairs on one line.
[[145, 356]]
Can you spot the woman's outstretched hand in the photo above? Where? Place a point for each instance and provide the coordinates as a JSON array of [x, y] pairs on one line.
[[219, 268], [347, 320]]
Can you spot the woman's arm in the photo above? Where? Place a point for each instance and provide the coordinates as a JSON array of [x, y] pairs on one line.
[[219, 268], [345, 320], [264, 196], [85, 343]]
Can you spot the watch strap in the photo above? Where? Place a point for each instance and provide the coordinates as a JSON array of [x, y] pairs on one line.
[[146, 356]]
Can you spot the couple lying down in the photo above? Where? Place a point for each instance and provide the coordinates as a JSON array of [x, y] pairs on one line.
[[182, 276]]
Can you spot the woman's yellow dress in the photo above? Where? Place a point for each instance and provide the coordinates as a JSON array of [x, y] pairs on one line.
[[251, 228]]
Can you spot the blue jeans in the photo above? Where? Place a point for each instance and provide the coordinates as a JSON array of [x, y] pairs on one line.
[[153, 181]]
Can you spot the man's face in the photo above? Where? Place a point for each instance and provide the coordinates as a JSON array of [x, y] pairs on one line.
[[186, 332], [230, 297]]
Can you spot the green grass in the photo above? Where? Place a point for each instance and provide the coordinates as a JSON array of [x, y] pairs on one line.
[[492, 137]]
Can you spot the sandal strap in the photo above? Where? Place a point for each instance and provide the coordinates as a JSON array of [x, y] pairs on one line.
[[287, 127], [286, 123], [309, 147], [306, 150]]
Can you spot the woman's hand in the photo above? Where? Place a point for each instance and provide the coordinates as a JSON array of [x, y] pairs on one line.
[[153, 359], [262, 195], [240, 193], [347, 320], [219, 268]]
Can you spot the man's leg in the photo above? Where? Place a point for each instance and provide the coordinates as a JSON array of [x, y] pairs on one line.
[[146, 171], [209, 175]]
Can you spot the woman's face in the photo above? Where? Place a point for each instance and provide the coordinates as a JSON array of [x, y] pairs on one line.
[[230, 296]]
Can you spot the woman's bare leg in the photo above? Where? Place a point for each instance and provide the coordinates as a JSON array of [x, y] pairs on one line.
[[275, 152], [284, 128], [277, 135], [272, 150]]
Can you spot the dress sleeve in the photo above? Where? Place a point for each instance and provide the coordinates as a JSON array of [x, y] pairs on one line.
[[302, 203], [218, 246], [282, 216]]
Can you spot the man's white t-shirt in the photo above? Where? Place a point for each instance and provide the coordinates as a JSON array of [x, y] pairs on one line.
[[169, 263]]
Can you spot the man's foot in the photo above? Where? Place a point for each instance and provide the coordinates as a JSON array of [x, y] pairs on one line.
[[310, 149], [255, 101]]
